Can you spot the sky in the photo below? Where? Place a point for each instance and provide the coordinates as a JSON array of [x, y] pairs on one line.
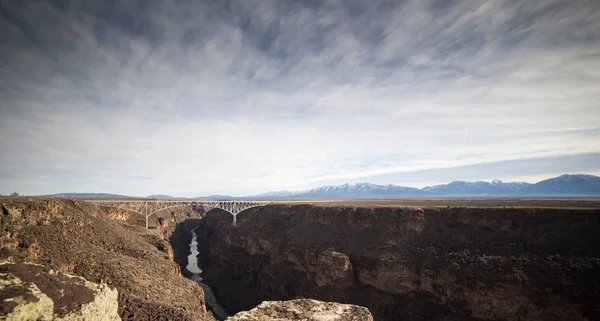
[[241, 97]]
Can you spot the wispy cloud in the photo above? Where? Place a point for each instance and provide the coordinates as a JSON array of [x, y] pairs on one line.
[[246, 96]]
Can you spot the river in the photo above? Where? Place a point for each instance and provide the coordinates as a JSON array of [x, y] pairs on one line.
[[209, 296]]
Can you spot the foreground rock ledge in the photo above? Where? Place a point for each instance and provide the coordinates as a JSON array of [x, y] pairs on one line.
[[34, 292], [304, 309]]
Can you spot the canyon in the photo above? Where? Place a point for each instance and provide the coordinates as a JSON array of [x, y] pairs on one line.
[[410, 263], [311, 261]]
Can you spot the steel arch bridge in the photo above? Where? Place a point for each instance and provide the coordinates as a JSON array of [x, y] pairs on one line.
[[148, 208]]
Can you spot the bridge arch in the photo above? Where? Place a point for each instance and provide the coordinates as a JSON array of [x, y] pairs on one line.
[[149, 208], [235, 212]]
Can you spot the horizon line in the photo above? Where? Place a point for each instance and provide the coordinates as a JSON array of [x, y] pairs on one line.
[[303, 190]]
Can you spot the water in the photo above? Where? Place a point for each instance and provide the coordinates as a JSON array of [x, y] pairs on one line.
[[209, 296], [192, 265]]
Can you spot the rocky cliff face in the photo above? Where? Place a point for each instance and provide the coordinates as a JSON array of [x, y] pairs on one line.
[[74, 237], [412, 263], [304, 309], [34, 292]]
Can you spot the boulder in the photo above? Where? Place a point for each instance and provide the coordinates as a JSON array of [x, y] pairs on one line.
[[304, 309]]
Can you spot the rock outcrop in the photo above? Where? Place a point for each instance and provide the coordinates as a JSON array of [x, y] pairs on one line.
[[304, 309], [334, 267], [410, 263], [34, 292]]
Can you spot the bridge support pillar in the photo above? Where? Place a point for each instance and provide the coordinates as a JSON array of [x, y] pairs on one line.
[[146, 221], [234, 217]]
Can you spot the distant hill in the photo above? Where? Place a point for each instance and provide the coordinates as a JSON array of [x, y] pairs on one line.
[[153, 196], [215, 197], [162, 197], [564, 185], [275, 194], [91, 195]]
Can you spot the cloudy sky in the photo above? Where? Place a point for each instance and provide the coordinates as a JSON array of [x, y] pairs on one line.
[[241, 97]]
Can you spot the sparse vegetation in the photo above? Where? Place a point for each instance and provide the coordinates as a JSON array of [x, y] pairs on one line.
[[72, 236]]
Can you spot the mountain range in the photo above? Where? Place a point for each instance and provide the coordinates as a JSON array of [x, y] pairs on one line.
[[564, 185]]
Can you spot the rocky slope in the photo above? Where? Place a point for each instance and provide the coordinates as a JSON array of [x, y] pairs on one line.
[[411, 263], [74, 237], [34, 292]]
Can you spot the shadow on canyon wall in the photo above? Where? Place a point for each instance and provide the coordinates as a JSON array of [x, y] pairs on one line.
[[410, 263]]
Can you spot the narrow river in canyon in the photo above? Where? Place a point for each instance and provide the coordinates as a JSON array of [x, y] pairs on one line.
[[194, 268]]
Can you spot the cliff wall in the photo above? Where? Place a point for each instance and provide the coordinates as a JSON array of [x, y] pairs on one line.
[[411, 263]]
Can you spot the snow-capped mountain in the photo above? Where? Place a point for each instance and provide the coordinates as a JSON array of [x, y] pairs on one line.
[[568, 185], [358, 190], [496, 187]]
